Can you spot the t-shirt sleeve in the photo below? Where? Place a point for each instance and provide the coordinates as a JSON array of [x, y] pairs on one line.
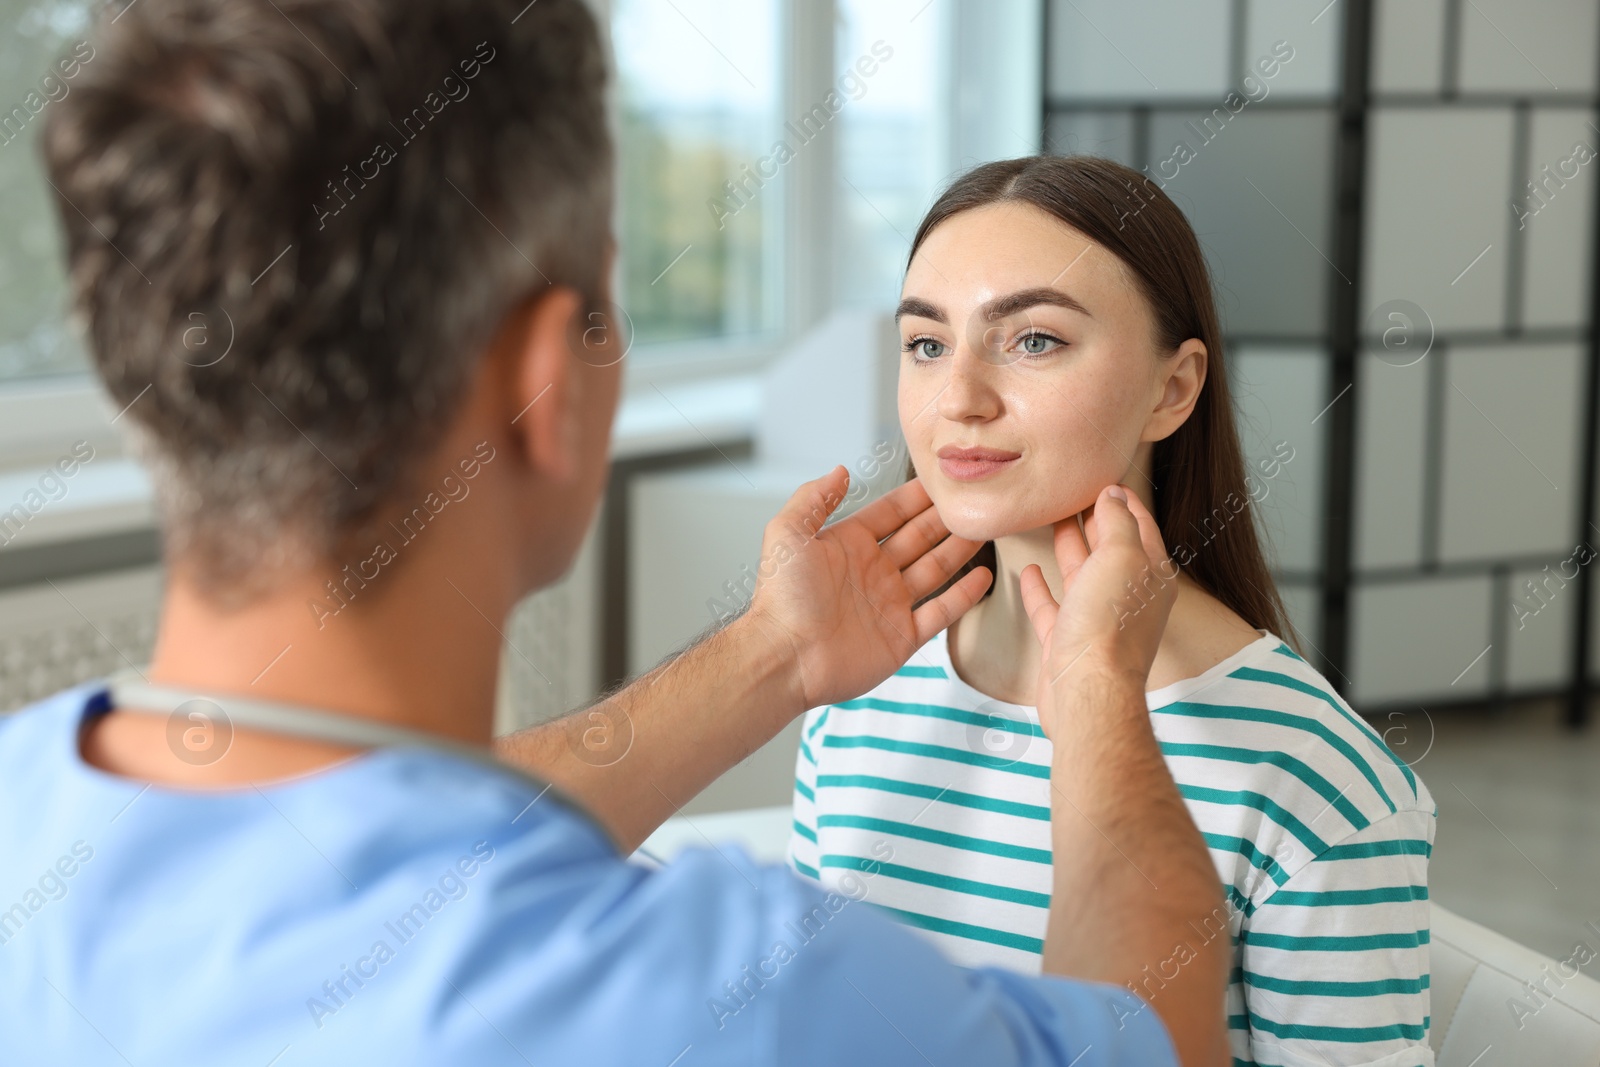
[[803, 853], [1335, 961]]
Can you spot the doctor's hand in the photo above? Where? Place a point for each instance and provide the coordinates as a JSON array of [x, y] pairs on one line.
[[841, 600], [1118, 588]]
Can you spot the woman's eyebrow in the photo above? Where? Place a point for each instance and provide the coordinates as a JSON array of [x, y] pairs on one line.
[[1023, 299], [921, 309]]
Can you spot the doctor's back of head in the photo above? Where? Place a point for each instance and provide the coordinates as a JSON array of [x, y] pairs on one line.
[[293, 232], [342, 265]]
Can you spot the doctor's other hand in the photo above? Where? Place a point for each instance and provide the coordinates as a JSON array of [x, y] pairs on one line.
[[1118, 588], [841, 600]]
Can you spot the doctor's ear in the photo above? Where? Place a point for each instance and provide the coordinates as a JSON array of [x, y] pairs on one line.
[[536, 344], [1180, 377]]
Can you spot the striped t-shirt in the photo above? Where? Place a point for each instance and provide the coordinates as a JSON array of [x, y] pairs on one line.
[[1321, 835]]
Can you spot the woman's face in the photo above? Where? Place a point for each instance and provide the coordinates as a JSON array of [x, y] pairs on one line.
[[1029, 373]]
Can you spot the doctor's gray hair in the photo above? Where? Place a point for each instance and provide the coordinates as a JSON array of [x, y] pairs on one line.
[[292, 228]]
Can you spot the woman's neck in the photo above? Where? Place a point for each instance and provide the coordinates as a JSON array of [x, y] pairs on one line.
[[994, 650], [993, 647]]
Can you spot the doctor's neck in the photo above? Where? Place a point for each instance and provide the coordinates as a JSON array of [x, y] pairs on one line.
[[409, 636]]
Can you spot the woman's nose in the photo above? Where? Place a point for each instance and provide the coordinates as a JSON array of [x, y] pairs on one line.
[[968, 393]]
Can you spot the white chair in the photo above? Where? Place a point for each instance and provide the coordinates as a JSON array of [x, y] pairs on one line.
[[1485, 1016], [1478, 975]]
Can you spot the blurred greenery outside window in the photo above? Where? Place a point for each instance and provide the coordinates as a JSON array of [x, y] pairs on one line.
[[698, 95], [34, 337]]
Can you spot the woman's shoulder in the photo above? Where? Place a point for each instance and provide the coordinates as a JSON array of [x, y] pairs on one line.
[[1270, 711]]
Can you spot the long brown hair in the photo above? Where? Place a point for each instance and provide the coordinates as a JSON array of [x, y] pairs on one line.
[[1199, 468]]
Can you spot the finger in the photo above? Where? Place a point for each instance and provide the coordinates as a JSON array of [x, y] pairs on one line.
[[913, 540], [934, 569], [1086, 524], [1037, 601], [1071, 548], [1114, 519], [894, 509], [950, 605], [1150, 534], [808, 509]]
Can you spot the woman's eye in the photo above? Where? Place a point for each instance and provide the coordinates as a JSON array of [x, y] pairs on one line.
[[925, 348], [1038, 344]]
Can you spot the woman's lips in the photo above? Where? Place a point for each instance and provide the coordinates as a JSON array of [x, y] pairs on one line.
[[971, 464]]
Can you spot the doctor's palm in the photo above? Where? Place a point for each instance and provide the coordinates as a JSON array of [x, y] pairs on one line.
[[844, 597]]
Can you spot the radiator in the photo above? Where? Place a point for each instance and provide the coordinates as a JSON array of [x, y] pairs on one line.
[[56, 634]]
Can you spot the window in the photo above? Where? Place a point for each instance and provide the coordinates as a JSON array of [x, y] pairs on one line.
[[700, 201], [34, 339], [893, 155]]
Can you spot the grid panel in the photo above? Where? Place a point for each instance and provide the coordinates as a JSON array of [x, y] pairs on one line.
[[1257, 192], [1553, 208], [1510, 427], [1408, 46], [1154, 48], [1278, 393], [1528, 45], [1436, 232]]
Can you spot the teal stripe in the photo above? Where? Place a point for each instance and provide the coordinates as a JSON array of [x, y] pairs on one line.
[[1247, 849], [1376, 987], [1280, 718], [955, 755], [805, 750], [908, 671], [1285, 650], [1240, 901], [987, 720], [1341, 1034], [1283, 761], [807, 870], [966, 930], [1246, 799], [1367, 850], [940, 881], [805, 831], [1335, 897], [818, 724], [937, 837], [804, 790], [947, 796], [1355, 943], [1273, 678]]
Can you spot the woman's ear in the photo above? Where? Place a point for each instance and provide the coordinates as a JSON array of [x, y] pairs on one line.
[[1180, 376]]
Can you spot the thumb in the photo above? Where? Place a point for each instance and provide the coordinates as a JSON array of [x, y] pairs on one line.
[[1148, 532], [809, 508], [1114, 519]]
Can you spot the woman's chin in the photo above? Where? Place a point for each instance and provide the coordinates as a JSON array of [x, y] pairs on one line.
[[986, 524], [980, 526]]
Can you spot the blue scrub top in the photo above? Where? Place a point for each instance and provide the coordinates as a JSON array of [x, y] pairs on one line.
[[409, 906]]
